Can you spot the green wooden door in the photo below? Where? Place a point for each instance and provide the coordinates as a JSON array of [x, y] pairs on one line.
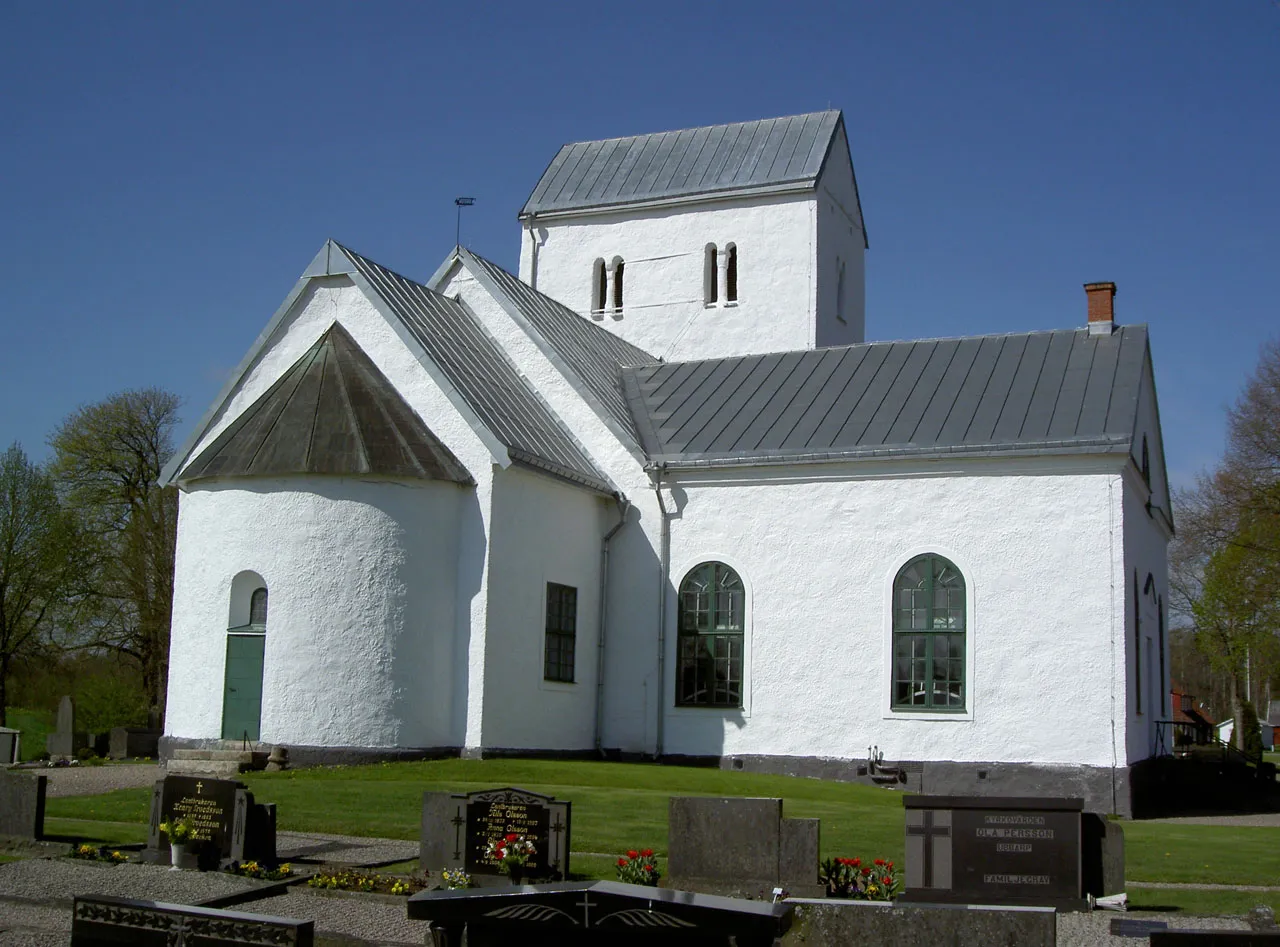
[[242, 699]]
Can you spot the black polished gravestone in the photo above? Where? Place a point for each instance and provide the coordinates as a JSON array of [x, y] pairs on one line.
[[102, 921], [585, 914], [991, 850], [456, 829], [229, 825]]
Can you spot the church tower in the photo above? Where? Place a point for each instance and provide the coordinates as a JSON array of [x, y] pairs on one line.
[[708, 242]]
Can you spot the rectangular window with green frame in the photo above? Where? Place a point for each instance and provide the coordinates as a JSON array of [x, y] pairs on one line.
[[929, 636], [561, 632]]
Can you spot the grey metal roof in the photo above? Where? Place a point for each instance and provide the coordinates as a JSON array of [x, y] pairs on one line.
[[333, 412], [587, 351], [1040, 392], [482, 373], [714, 160]]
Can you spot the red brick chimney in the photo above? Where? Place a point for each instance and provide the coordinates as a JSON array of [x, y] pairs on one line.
[[1102, 305]]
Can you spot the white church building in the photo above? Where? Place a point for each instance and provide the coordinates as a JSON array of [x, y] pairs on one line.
[[656, 496]]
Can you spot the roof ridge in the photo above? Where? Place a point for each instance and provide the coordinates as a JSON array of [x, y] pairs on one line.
[[698, 128], [940, 338]]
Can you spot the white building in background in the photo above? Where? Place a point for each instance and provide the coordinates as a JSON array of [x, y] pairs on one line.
[[657, 497]]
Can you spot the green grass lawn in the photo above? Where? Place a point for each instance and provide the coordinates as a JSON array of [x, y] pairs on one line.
[[617, 806], [1200, 901], [34, 724]]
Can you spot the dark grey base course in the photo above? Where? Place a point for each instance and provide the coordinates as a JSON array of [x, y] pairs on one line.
[[1102, 789]]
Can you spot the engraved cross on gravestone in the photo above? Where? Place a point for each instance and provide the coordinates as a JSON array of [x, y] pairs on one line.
[[929, 859]]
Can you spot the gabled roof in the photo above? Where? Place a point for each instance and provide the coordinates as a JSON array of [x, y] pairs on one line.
[[1041, 393], [588, 354], [718, 160], [333, 412], [461, 357]]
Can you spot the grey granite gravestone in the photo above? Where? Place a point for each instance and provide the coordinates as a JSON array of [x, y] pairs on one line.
[[993, 850], [740, 847], [456, 829], [65, 740], [103, 921], [891, 924], [230, 826], [22, 805], [134, 742], [10, 742]]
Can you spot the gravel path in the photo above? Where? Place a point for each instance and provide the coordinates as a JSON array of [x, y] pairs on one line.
[[91, 780], [342, 849], [1265, 819], [354, 917], [1079, 929], [61, 879]]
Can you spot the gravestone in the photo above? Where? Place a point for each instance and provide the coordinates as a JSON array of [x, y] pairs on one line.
[[22, 805], [228, 823], [133, 742], [456, 829], [991, 850], [103, 921], [740, 847], [10, 743], [604, 913], [65, 740]]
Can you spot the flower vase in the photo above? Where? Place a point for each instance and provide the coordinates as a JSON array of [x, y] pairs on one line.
[[177, 854], [516, 873]]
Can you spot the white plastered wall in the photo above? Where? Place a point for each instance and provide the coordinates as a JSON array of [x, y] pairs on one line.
[[1148, 659], [631, 657], [664, 311], [1038, 551], [392, 550], [546, 532], [362, 581], [841, 242]]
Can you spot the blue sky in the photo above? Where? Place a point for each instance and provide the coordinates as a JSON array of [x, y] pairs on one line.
[[168, 170]]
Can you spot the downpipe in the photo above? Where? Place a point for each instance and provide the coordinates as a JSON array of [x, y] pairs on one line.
[[664, 575]]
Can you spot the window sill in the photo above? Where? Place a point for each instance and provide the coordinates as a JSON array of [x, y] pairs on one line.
[[559, 687], [597, 314], [905, 713]]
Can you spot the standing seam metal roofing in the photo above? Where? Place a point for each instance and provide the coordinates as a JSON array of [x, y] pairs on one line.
[[482, 373], [745, 156], [1042, 392], [591, 352]]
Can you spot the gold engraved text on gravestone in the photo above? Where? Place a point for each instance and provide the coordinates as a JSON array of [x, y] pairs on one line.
[[505, 818], [206, 814]]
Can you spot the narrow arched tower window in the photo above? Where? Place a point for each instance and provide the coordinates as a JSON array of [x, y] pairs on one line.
[[710, 276], [617, 286], [599, 287], [731, 273], [1146, 463]]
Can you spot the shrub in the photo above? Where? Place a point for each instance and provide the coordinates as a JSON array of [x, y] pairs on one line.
[[1250, 737]]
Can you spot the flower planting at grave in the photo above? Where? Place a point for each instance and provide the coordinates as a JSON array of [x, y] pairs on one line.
[[851, 878], [252, 869], [350, 879], [455, 879], [639, 868], [101, 853], [512, 851]]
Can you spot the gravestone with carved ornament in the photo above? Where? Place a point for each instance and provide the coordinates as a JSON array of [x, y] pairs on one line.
[[457, 828], [229, 825]]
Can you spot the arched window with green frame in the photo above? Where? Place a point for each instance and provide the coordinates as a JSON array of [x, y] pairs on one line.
[[712, 606], [929, 636]]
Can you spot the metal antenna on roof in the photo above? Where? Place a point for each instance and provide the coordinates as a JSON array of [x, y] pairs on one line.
[[459, 203]]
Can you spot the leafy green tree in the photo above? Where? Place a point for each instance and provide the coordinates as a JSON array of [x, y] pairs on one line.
[[107, 459], [40, 559]]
